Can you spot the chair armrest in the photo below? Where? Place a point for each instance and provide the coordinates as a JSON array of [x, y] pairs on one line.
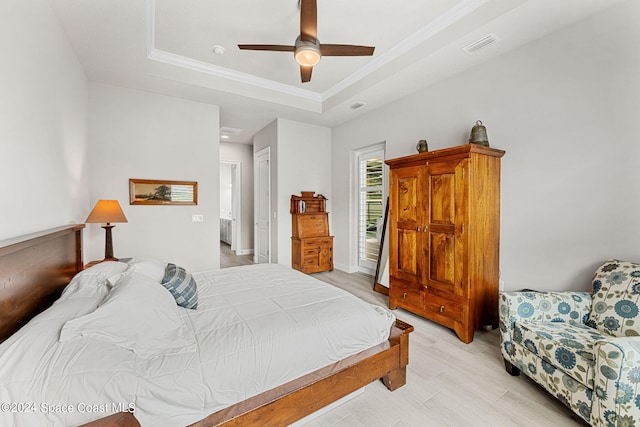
[[616, 394], [570, 307]]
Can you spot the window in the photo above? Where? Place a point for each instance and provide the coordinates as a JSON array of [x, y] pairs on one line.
[[371, 196]]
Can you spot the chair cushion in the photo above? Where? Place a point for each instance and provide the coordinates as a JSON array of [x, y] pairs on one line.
[[562, 345], [616, 291]]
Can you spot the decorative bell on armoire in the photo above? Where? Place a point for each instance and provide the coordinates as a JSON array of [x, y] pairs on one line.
[[422, 146], [479, 135]]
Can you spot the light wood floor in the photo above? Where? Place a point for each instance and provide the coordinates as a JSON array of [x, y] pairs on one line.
[[449, 383], [228, 258]]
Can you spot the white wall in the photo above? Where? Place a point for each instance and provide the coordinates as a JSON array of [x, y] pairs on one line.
[[243, 153], [300, 161], [43, 122], [136, 134], [565, 108], [304, 164]]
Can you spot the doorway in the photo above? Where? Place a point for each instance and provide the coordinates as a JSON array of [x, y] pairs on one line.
[[370, 188], [230, 196]]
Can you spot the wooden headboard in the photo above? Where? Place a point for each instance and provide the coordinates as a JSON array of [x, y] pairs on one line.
[[34, 269]]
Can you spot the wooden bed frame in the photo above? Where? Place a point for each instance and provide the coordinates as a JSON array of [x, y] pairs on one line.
[[34, 269]]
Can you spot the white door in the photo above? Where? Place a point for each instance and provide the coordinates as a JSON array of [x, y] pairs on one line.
[[262, 187], [236, 191]]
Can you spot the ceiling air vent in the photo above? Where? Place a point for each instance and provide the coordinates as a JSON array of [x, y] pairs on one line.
[[357, 105], [228, 132], [487, 40]]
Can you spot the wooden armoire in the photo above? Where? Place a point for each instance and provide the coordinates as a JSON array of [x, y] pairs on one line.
[[311, 244], [444, 236]]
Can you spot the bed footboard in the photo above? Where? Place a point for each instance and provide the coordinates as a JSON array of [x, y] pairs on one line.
[[398, 377]]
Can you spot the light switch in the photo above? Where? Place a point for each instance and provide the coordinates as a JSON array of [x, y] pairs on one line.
[[197, 218]]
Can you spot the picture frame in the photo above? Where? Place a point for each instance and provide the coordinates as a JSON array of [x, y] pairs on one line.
[[162, 192]]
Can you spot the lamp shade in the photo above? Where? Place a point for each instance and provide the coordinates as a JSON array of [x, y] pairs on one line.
[[107, 211]]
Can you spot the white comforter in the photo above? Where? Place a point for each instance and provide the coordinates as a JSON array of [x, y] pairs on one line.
[[255, 328]]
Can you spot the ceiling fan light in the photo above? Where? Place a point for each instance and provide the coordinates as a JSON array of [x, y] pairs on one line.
[[307, 57], [307, 53]]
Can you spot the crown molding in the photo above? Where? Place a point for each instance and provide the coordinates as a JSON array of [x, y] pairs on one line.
[[448, 18], [169, 58], [226, 73], [441, 22]]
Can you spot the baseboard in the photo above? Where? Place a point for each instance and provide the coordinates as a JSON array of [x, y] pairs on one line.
[[365, 270], [244, 252], [346, 268]]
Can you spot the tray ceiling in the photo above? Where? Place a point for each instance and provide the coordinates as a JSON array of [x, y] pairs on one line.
[[167, 47]]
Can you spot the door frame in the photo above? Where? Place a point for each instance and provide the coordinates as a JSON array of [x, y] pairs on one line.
[[355, 199]]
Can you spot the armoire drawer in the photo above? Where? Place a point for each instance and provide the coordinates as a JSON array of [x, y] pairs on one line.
[[447, 307], [407, 297]]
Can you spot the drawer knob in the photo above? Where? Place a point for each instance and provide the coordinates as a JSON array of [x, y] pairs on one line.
[[441, 308], [404, 295]]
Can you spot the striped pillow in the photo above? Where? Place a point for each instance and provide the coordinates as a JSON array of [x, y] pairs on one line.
[[181, 285]]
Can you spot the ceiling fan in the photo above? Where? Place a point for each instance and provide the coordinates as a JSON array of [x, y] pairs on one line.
[[307, 49]]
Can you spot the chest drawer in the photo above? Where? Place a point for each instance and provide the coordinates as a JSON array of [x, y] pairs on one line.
[[314, 244]]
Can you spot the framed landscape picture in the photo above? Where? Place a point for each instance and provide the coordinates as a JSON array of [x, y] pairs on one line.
[[160, 192]]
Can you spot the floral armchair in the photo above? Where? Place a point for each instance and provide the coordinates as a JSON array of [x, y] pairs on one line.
[[583, 348]]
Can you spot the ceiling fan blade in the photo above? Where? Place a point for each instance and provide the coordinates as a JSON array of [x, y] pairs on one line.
[[345, 50], [305, 73], [308, 20], [273, 47]]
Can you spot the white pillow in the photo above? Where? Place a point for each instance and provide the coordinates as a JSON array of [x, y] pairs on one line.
[[96, 276], [139, 315], [151, 267]]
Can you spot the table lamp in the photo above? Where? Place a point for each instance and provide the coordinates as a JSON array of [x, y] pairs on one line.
[[106, 212]]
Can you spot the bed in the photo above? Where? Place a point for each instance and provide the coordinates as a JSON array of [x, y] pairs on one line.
[[35, 269]]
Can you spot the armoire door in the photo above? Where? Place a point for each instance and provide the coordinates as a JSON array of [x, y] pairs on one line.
[[406, 204], [446, 188]]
